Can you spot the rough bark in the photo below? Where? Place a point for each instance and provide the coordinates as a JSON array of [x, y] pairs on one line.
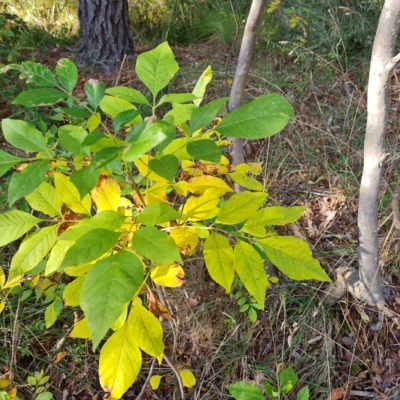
[[104, 32], [365, 283], [242, 70]]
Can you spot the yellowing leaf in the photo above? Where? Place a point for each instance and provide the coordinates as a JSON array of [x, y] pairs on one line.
[[188, 379], [243, 180], [94, 121], [32, 250], [142, 164], [186, 238], [146, 330], [70, 196], [121, 319], [155, 381], [253, 168], [240, 207], [168, 275], [293, 257], [250, 268], [199, 184], [120, 361], [106, 194], [79, 270], [57, 255], [45, 199], [2, 305], [12, 282], [277, 215], [81, 330], [73, 291], [218, 255], [199, 208]]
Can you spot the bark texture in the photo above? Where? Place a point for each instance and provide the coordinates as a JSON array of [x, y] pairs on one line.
[[242, 70], [369, 284], [104, 32]]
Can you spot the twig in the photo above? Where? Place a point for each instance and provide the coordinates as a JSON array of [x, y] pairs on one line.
[[177, 375], [396, 216], [140, 395], [13, 359]]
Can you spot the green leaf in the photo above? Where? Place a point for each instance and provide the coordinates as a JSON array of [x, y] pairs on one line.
[[180, 113], [176, 98], [303, 394], [52, 312], [85, 180], [67, 74], [287, 379], [155, 245], [32, 250], [7, 161], [39, 97], [56, 256], [23, 136], [276, 215], [108, 219], [45, 199], [250, 268], [157, 213], [104, 156], [204, 149], [120, 361], [245, 391], [240, 207], [201, 85], [146, 329], [44, 396], [205, 115], [165, 167], [27, 181], [114, 106], [90, 247], [14, 224], [157, 67], [293, 257], [95, 92], [152, 135], [218, 255], [93, 137], [263, 117], [77, 112], [38, 74], [128, 94], [71, 138], [108, 286], [124, 118], [252, 315]]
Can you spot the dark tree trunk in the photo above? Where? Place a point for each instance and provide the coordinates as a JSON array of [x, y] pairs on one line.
[[104, 32]]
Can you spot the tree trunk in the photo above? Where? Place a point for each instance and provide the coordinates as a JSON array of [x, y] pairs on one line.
[[104, 32], [242, 70], [365, 284]]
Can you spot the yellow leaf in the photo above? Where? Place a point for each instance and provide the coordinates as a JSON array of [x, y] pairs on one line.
[[142, 165], [181, 188], [120, 361], [94, 121], [186, 238], [106, 194], [2, 305], [72, 292], [199, 184], [199, 208], [188, 379], [2, 277], [253, 168], [154, 194], [15, 281], [70, 196], [146, 329], [79, 270], [155, 381], [12, 393], [81, 330], [168, 275], [57, 255]]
